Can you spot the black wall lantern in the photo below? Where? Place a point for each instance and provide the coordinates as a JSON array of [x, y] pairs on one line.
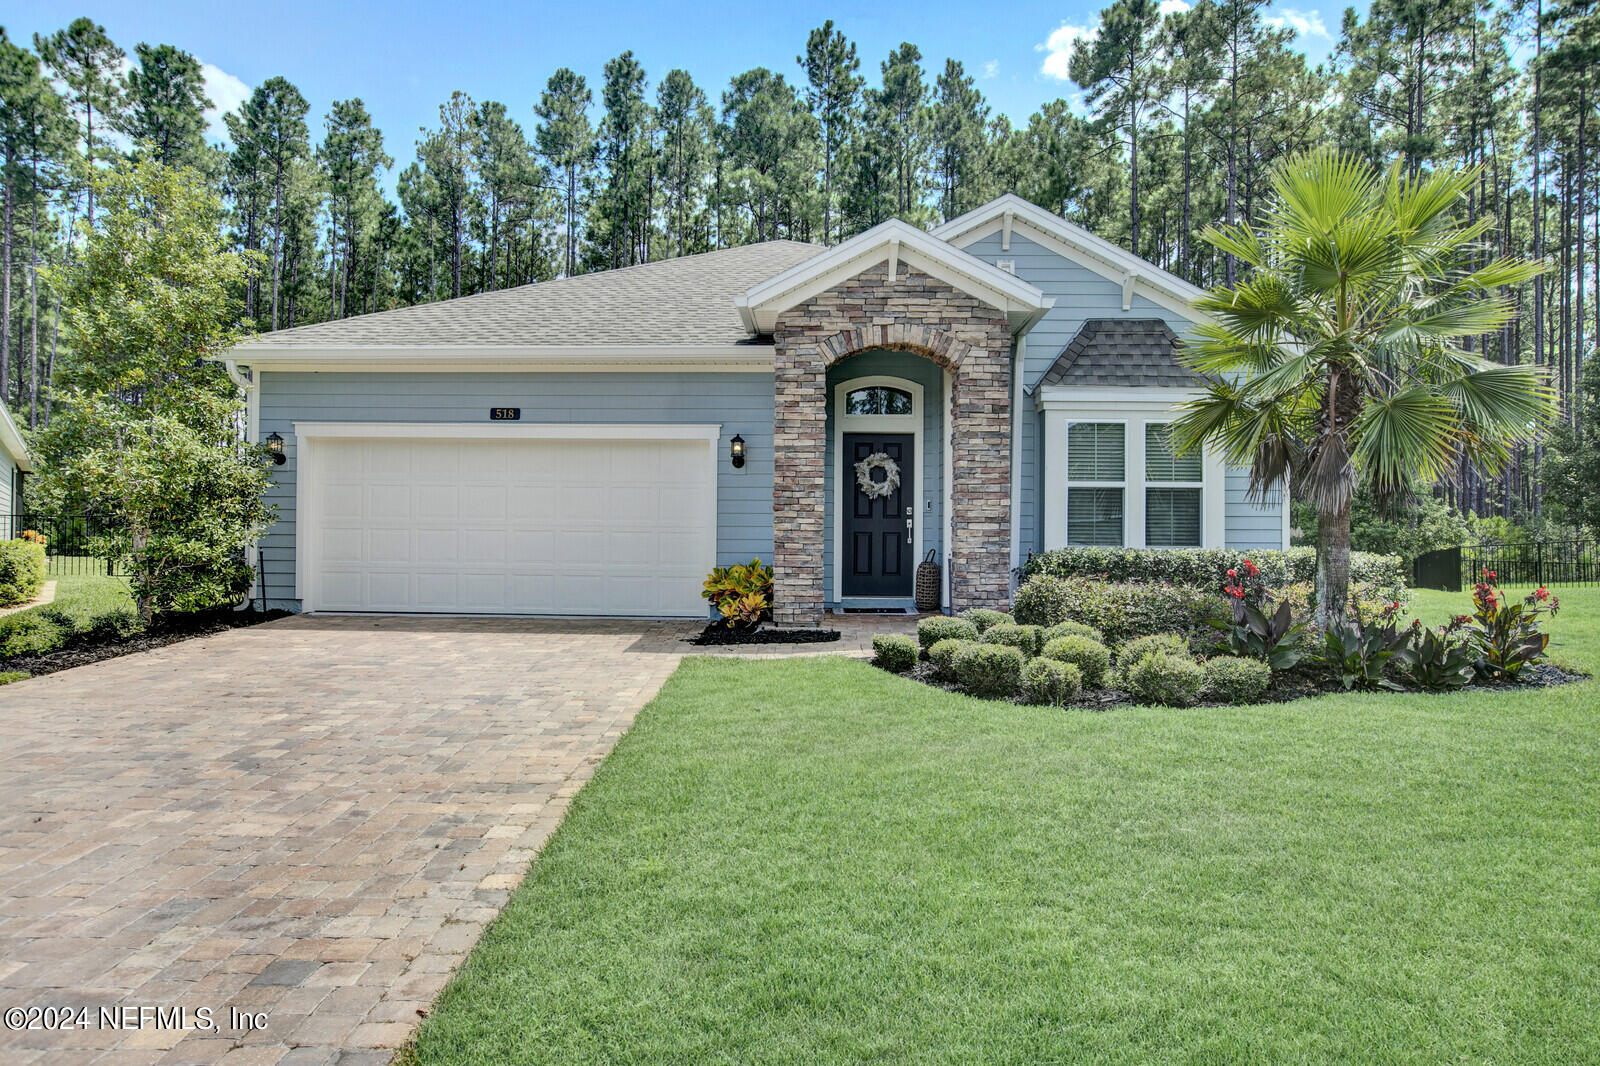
[[275, 446], [736, 451]]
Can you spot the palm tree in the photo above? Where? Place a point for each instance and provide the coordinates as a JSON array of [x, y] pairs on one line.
[[1338, 360]]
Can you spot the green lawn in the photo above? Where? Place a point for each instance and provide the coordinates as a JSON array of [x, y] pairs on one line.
[[811, 861], [84, 596]]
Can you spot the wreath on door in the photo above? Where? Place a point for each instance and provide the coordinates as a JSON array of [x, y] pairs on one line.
[[872, 488]]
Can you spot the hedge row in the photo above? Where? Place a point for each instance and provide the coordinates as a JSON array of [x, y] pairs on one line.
[[22, 570], [1208, 567]]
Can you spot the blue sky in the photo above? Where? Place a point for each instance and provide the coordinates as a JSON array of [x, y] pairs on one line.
[[404, 59]]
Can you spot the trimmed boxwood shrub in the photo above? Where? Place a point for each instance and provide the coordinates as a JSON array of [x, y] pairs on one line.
[[31, 633], [1121, 610], [1231, 679], [895, 652], [942, 656], [988, 671], [22, 571], [983, 617], [1165, 679], [931, 631], [1049, 681], [1208, 567], [1156, 644], [1026, 639], [1092, 658], [1074, 629]]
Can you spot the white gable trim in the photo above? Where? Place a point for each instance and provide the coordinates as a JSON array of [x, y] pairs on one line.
[[1010, 214], [11, 441], [897, 243]]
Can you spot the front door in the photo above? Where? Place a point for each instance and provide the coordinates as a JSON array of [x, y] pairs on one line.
[[878, 555]]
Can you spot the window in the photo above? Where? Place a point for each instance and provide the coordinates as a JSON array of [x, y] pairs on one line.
[[1096, 482], [1172, 491], [878, 400]]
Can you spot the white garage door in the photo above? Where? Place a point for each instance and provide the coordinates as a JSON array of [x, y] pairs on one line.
[[510, 526]]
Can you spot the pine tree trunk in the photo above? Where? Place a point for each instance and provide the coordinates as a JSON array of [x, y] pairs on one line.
[[277, 243], [5, 288]]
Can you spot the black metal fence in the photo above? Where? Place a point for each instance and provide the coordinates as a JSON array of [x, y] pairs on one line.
[[1538, 562], [74, 543]]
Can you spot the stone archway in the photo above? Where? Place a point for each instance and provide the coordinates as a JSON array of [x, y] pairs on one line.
[[922, 315]]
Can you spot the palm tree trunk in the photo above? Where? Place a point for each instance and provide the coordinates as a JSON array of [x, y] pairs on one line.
[[1333, 564]]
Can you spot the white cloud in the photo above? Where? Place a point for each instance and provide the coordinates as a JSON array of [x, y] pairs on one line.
[[227, 93], [1058, 49], [1303, 23], [990, 69], [1173, 7]]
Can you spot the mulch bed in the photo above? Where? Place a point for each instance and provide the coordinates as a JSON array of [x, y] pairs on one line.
[[1285, 688], [163, 631], [718, 633]]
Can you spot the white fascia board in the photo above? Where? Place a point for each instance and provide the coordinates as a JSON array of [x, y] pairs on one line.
[[1024, 304], [452, 358], [1141, 276], [510, 430], [1056, 398], [11, 441]]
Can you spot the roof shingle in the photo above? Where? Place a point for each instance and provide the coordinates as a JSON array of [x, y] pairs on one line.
[[688, 301], [1121, 351]]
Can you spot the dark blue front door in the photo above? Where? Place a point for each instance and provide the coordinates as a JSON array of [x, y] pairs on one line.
[[878, 555]]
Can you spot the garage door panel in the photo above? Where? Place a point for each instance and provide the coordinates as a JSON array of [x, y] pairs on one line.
[[513, 526]]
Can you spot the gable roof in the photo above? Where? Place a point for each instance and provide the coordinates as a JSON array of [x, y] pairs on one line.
[[11, 441], [1136, 275], [897, 242], [687, 301], [1139, 352]]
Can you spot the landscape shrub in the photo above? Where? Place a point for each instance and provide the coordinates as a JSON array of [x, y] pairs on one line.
[[1230, 679], [988, 671], [31, 633], [1164, 679], [22, 570], [1026, 639], [1074, 629], [931, 631], [117, 624], [942, 656], [1045, 601], [1092, 658], [983, 617], [1122, 610], [741, 593], [895, 652], [8, 676], [1052, 682], [1155, 644], [1207, 567]]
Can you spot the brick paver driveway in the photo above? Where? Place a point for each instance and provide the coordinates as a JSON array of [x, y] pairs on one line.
[[310, 819]]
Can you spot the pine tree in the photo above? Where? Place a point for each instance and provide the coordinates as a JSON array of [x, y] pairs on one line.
[[90, 65], [566, 140], [166, 105], [835, 88]]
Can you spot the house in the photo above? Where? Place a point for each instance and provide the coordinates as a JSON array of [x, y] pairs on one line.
[[14, 463], [594, 444]]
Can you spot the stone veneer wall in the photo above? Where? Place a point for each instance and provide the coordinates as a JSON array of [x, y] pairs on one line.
[[919, 314]]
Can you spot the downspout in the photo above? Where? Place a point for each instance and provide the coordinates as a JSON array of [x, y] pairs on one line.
[[1018, 355]]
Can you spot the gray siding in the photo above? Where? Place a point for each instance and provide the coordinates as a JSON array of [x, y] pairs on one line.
[[741, 403], [930, 486], [8, 481], [1081, 294]]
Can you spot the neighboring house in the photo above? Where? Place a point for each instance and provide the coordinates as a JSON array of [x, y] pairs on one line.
[[568, 447], [14, 463]]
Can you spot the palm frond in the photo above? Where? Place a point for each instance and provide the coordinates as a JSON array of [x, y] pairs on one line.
[[1406, 436], [1504, 400]]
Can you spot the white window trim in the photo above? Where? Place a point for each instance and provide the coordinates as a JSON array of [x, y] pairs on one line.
[[306, 469], [1146, 485], [1132, 406], [843, 423], [1123, 484]]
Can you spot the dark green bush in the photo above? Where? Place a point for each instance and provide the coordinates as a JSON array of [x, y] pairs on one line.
[[988, 671], [31, 633], [111, 626], [1156, 643], [1231, 679], [1092, 658], [22, 571], [1026, 639], [8, 676], [931, 631], [1043, 602], [1164, 679], [1207, 567], [983, 617], [895, 652], [1124, 610], [942, 656], [1074, 629], [1048, 681]]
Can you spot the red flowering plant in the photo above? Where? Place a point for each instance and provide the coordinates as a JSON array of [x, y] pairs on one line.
[[1509, 634], [1259, 630]]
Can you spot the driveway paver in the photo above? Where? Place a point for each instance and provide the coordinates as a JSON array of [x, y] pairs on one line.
[[300, 827]]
